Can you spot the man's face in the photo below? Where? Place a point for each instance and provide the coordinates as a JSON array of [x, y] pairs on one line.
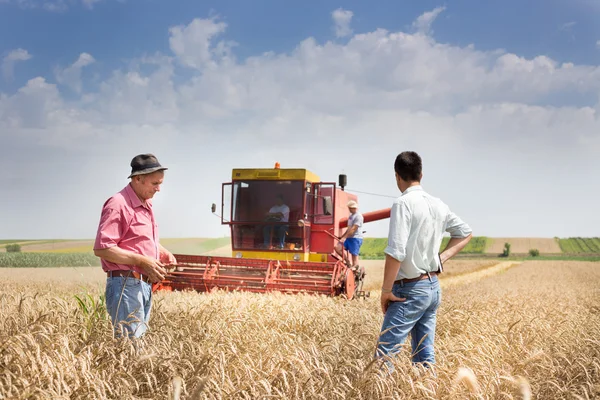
[[279, 201], [148, 185], [352, 210]]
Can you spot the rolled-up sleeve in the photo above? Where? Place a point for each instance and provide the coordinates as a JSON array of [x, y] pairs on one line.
[[456, 227], [400, 219], [110, 229]]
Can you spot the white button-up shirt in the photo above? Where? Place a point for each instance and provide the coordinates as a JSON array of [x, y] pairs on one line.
[[417, 225]]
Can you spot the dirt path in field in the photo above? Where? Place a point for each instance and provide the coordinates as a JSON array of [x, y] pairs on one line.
[[452, 269], [477, 275], [523, 245], [463, 272]]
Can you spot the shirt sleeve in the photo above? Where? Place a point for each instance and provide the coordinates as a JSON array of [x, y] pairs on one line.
[[400, 220], [359, 220], [286, 213], [456, 227], [110, 230]]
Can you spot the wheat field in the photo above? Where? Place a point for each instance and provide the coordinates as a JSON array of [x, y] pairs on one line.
[[528, 331]]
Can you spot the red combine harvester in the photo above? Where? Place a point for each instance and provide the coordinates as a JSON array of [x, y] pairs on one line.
[[296, 255]]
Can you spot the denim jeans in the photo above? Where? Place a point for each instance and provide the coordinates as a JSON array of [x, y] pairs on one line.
[[128, 302], [279, 232], [416, 315]]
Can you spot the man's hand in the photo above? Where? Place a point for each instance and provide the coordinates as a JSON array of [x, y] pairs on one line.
[[153, 268], [387, 298], [167, 258]]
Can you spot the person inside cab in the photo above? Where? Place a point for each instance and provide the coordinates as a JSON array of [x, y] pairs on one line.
[[278, 213]]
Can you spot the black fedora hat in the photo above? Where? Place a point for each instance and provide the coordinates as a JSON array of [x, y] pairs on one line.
[[145, 164]]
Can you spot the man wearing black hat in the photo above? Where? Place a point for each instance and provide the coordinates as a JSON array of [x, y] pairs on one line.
[[128, 244]]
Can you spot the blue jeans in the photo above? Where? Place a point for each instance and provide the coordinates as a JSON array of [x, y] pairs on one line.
[[128, 302], [279, 232], [416, 315]]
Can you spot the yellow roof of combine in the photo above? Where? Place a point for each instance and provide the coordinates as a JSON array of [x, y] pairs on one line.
[[274, 174]]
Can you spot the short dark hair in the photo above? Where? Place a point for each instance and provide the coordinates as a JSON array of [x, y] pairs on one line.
[[409, 166]]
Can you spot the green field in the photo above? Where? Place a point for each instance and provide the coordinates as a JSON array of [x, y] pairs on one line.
[[69, 255], [4, 242], [45, 260], [194, 246], [28, 242], [372, 248], [580, 245]]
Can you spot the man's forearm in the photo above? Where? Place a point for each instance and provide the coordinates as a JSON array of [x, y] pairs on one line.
[[348, 232], [390, 271], [119, 256], [455, 245]]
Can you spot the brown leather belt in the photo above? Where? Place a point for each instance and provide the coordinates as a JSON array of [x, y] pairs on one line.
[[128, 274], [419, 278]]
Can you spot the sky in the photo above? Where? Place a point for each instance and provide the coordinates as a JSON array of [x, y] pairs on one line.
[[501, 100]]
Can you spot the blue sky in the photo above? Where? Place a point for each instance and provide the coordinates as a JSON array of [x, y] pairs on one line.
[[116, 31], [501, 99]]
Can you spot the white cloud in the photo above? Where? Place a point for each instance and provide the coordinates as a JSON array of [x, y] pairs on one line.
[[423, 23], [90, 3], [71, 75], [33, 106], [9, 61], [191, 43], [510, 125], [342, 19], [567, 26], [598, 44]]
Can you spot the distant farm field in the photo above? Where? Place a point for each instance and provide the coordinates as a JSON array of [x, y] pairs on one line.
[[4, 242], [523, 245], [72, 253], [580, 245], [195, 245], [46, 260], [373, 248]]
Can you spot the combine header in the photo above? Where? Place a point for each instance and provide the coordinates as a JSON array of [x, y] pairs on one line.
[[285, 224]]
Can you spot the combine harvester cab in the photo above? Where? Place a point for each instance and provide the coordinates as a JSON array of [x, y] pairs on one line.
[[289, 255]]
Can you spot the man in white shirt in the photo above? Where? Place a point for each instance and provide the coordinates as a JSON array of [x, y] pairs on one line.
[[411, 294], [278, 213]]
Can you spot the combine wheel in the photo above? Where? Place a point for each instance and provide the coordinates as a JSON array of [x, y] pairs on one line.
[[359, 278], [349, 284]]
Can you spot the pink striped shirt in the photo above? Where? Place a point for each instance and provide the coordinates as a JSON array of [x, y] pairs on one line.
[[128, 223]]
